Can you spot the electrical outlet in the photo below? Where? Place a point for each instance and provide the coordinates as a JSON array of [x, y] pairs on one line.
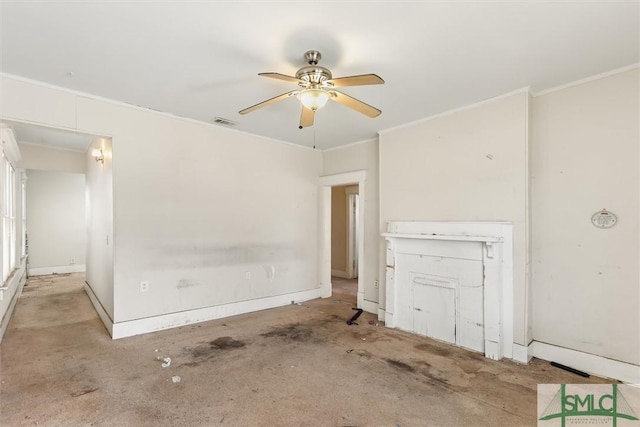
[[376, 284], [247, 275], [144, 286], [72, 261]]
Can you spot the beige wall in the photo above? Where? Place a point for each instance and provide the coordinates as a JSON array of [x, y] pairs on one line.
[[195, 206], [586, 289], [362, 156], [55, 219], [469, 165]]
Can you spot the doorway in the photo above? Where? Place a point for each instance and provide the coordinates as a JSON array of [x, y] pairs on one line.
[[351, 185], [344, 243]]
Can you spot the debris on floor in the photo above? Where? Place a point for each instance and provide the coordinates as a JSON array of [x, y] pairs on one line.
[[175, 379], [166, 361], [352, 321], [569, 369]]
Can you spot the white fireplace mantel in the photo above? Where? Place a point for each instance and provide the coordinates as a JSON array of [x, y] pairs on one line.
[[404, 238]]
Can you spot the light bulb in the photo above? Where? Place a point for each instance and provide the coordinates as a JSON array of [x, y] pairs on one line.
[[313, 99]]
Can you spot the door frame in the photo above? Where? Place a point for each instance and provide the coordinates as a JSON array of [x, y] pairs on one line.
[[352, 232], [324, 228]]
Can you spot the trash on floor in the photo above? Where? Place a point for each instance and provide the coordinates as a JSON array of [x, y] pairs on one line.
[[166, 362], [352, 321], [175, 379], [569, 369]]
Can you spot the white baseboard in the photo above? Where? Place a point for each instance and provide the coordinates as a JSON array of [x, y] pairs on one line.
[[381, 313], [521, 353], [339, 273], [17, 280], [62, 269], [369, 306], [174, 320], [589, 363], [102, 313]]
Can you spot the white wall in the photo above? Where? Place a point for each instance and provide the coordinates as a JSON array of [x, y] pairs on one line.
[[362, 156], [55, 221], [207, 215], [51, 159], [586, 289], [469, 165], [99, 231]]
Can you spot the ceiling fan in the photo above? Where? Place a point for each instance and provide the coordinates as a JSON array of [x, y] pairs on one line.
[[317, 87]]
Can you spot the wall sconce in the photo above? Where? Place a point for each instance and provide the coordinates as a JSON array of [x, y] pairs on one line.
[[97, 155]]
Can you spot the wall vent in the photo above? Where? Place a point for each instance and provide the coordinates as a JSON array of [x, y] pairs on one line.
[[224, 122]]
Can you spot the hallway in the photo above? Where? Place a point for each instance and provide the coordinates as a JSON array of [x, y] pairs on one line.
[[294, 365]]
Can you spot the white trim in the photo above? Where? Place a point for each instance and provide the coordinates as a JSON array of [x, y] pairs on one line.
[[139, 108], [521, 353], [63, 269], [351, 144], [589, 363], [380, 313], [175, 320], [21, 278], [456, 110], [51, 126], [352, 232], [324, 228], [339, 273], [53, 147], [9, 144], [497, 239], [369, 306], [102, 313], [587, 79], [343, 178]]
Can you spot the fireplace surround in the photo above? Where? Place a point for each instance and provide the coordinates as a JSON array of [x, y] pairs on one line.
[[452, 281]]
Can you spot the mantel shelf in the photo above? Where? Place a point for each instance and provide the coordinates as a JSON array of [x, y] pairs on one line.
[[491, 239]]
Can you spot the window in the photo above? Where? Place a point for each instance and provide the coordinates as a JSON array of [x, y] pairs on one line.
[[8, 218]]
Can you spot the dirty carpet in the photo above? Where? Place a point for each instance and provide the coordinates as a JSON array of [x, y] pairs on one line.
[[299, 365]]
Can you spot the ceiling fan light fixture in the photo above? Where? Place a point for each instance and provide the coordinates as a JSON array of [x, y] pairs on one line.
[[313, 99]]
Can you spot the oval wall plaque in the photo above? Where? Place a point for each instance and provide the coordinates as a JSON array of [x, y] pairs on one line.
[[604, 219]]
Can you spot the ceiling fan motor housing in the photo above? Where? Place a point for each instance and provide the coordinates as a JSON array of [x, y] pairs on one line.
[[313, 74]]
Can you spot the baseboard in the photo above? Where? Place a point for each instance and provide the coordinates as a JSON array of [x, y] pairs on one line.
[[590, 363], [175, 320], [62, 269], [21, 278], [102, 313], [522, 353], [369, 306], [339, 273], [381, 313]]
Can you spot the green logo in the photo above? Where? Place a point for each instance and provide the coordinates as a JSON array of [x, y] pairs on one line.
[[612, 405]]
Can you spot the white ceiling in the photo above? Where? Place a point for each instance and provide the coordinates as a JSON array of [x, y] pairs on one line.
[[201, 59]]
